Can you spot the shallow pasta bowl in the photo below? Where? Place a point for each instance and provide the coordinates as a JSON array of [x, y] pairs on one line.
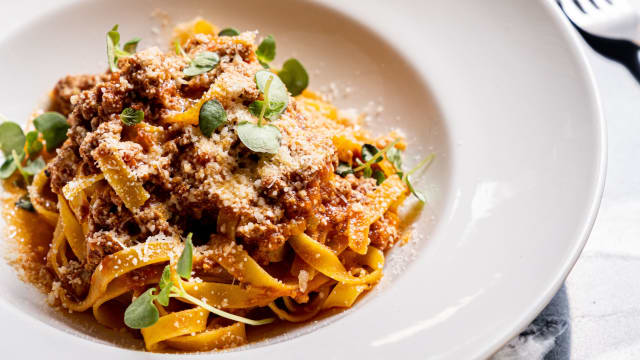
[[500, 92]]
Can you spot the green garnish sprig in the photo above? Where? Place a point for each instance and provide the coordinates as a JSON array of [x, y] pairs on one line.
[[292, 74], [179, 50], [142, 312], [24, 202], [16, 146], [212, 116], [203, 62], [130, 116], [229, 32], [406, 176], [266, 51], [372, 155], [115, 52], [259, 137]]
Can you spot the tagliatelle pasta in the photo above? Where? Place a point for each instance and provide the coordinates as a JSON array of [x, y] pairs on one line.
[[283, 206]]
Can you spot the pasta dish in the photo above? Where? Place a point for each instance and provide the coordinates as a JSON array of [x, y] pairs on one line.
[[196, 193]]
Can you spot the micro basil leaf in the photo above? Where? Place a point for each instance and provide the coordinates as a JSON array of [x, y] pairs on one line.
[[266, 51], [166, 277], [212, 116], [294, 76], [34, 166], [131, 46], [142, 313], [379, 176], [53, 127], [24, 202], [278, 95], [344, 169], [367, 172], [131, 116], [272, 112], [262, 139], [369, 151], [417, 193], [406, 177], [229, 32], [395, 157], [163, 295], [114, 52], [179, 50], [185, 261], [8, 167], [11, 138], [202, 63], [113, 40], [34, 145]]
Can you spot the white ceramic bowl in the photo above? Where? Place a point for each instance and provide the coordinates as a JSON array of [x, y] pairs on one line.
[[498, 89]]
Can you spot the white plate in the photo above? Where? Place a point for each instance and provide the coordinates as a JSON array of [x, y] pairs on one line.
[[498, 88]]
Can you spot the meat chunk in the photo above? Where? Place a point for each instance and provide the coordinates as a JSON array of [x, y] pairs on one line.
[[69, 86], [384, 232], [63, 167], [101, 244]]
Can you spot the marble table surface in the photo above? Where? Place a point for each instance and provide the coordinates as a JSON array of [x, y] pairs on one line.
[[596, 315]]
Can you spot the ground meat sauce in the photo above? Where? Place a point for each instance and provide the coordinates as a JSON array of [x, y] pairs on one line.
[[193, 180]]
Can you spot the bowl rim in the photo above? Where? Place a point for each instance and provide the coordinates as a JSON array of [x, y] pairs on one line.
[[572, 41]]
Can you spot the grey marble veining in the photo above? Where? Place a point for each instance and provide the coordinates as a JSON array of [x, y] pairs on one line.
[[548, 336]]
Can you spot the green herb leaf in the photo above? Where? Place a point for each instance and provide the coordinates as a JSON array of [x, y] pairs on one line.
[[229, 32], [163, 295], [262, 139], [212, 116], [131, 46], [379, 176], [179, 50], [367, 172], [114, 52], [266, 51], [8, 167], [34, 145], [277, 91], [373, 155], [294, 76], [395, 157], [24, 202], [34, 166], [131, 116], [272, 112], [406, 177], [113, 41], [202, 63], [369, 151], [256, 137], [11, 138], [142, 313], [25, 175], [53, 127], [344, 169], [185, 262], [417, 193], [166, 277], [278, 95]]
